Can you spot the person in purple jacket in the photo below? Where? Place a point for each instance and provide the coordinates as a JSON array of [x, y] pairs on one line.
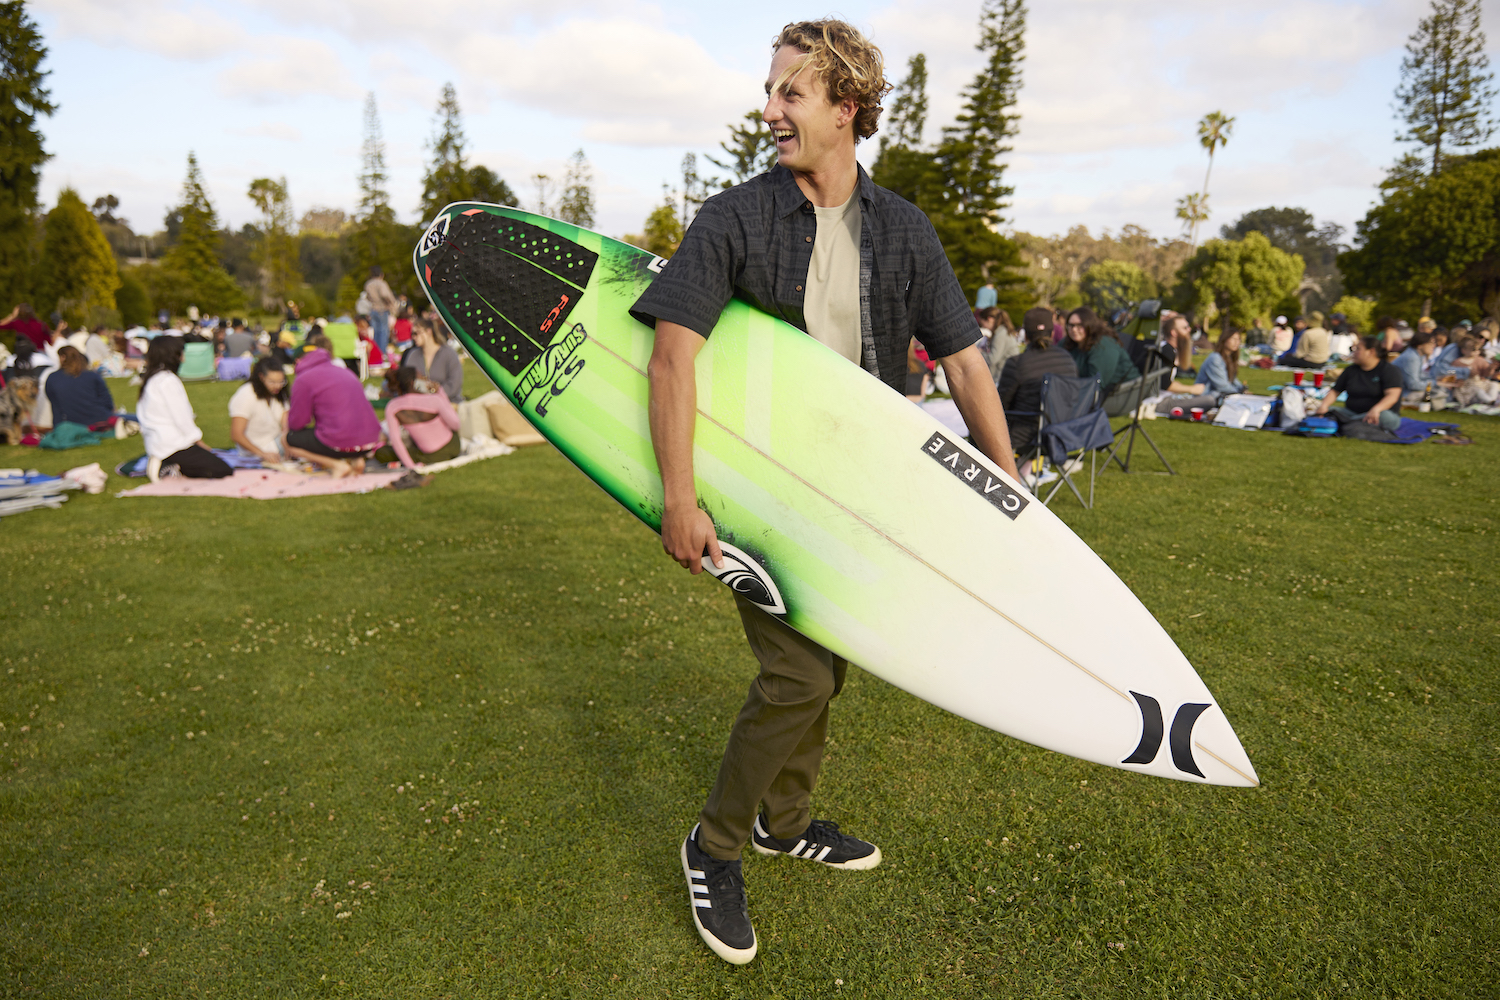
[[332, 423]]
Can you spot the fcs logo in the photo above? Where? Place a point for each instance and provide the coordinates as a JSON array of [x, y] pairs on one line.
[[746, 577], [1180, 739], [435, 235]]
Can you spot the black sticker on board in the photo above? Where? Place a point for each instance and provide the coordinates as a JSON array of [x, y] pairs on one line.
[[975, 476]]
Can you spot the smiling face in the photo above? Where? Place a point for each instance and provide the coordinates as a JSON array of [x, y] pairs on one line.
[[810, 133], [1076, 330]]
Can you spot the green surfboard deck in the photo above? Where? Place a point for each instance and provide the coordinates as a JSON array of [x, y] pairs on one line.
[[853, 513]]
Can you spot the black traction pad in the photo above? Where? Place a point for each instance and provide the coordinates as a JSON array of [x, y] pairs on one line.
[[509, 285]]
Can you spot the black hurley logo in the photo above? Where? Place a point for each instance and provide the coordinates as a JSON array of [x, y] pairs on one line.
[[1180, 740], [977, 477]]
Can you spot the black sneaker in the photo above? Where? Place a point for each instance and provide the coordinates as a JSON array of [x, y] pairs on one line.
[[821, 841], [717, 891]]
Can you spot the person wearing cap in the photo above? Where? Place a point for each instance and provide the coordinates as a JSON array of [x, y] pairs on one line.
[[1281, 336], [1021, 377]]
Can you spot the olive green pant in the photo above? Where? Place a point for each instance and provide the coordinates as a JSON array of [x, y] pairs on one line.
[[776, 744]]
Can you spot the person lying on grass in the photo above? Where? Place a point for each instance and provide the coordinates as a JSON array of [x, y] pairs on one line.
[[168, 425], [421, 426], [257, 412], [1373, 385], [333, 424]]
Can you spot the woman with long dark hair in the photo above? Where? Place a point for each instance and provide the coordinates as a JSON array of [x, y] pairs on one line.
[[1095, 350], [174, 444], [1218, 377], [257, 412]]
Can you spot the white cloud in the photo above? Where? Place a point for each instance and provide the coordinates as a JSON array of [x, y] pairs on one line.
[[270, 130], [288, 68], [628, 82], [168, 29]]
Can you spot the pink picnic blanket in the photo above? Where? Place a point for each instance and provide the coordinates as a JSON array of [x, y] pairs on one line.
[[261, 484]]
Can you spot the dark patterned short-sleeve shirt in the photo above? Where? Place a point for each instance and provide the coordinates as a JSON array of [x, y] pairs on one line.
[[756, 241]]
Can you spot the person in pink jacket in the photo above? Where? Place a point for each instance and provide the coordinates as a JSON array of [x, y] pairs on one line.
[[332, 423], [427, 419]]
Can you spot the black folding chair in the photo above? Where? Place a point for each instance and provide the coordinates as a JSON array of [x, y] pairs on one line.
[[1071, 421], [1127, 397]]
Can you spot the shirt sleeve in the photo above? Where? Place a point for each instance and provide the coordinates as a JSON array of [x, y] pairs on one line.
[[941, 318], [301, 410], [696, 284], [393, 431], [451, 375]]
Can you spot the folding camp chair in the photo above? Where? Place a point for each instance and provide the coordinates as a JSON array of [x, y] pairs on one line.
[[1127, 397], [197, 362], [1070, 422]]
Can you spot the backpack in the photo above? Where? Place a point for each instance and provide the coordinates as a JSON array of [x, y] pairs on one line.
[[1293, 407]]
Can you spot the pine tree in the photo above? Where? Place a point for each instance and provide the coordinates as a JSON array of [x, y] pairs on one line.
[[969, 153], [374, 200], [446, 179], [1445, 91], [22, 100], [194, 273], [277, 255], [77, 268], [577, 202], [694, 189], [907, 117], [749, 151]]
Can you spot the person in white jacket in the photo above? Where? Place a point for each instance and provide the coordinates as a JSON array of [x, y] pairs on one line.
[[168, 426]]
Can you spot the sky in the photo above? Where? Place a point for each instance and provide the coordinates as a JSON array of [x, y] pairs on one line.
[[1112, 93]]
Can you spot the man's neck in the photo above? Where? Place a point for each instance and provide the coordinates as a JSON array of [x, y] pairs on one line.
[[831, 185]]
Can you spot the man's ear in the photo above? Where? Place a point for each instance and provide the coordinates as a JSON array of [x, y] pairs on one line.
[[848, 108]]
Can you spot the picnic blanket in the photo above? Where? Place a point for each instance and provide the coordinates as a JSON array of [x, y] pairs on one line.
[[945, 411], [260, 484], [22, 491]]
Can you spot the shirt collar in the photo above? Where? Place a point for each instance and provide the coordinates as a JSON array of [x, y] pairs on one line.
[[789, 197]]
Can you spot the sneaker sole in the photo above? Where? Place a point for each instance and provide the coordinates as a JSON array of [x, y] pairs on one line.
[[852, 865], [734, 956]]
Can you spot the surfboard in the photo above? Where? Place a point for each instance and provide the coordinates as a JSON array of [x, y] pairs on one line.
[[842, 508]]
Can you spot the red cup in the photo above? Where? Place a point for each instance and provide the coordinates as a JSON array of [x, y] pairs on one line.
[[1198, 413], [1317, 380], [1177, 411], [1296, 378]]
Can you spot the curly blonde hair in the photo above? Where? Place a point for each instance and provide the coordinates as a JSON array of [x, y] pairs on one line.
[[847, 62]]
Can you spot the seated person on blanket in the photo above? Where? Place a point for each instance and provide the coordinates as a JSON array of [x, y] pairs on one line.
[[1470, 363], [1021, 379], [1373, 385], [1095, 350], [431, 356], [257, 412], [1313, 348], [1217, 378], [78, 395], [1415, 363], [1388, 329], [168, 426], [420, 424], [328, 395]]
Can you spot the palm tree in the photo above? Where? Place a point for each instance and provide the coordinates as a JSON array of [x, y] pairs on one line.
[[1192, 209], [1213, 132]]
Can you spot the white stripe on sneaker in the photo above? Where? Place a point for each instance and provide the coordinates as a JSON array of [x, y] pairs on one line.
[[824, 854], [796, 852], [703, 903]]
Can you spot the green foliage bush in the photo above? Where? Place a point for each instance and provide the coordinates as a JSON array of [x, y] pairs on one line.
[[77, 272]]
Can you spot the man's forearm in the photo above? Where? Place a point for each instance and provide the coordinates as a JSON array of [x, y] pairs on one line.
[[673, 412], [974, 393]]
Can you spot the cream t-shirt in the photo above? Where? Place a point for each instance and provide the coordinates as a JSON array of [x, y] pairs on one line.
[[265, 418], [831, 306]]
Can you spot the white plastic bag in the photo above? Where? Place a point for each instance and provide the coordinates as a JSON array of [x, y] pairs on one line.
[[1293, 406]]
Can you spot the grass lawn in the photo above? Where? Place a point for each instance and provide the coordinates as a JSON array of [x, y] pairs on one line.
[[445, 743]]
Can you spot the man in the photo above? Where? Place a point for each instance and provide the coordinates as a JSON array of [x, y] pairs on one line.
[[987, 297], [330, 398], [1313, 348], [239, 342], [1177, 333], [814, 241], [382, 302]]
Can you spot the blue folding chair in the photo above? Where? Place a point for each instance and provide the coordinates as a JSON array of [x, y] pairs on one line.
[[1071, 421]]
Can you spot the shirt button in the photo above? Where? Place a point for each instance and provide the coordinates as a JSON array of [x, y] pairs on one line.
[[809, 239], [799, 288]]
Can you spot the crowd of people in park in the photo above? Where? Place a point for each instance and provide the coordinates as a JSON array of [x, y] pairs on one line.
[[303, 399], [1375, 372]]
